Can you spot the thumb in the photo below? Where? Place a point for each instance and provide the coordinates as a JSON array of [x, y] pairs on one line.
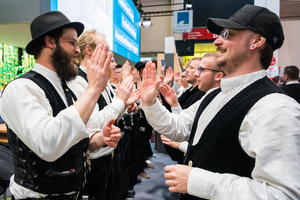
[[111, 122]]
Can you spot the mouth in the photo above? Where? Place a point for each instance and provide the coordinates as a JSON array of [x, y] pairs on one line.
[[221, 51]]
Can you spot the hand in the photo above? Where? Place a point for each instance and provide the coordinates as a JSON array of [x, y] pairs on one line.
[[169, 76], [177, 176], [169, 142], [132, 108], [134, 96], [111, 134], [169, 95], [136, 76], [98, 69], [177, 76], [162, 69], [124, 89], [149, 86], [126, 68]]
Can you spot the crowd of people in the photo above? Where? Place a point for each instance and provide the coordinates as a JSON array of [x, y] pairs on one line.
[[79, 124]]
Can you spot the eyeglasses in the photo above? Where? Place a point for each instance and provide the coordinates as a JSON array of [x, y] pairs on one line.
[[225, 33], [200, 69], [72, 41]]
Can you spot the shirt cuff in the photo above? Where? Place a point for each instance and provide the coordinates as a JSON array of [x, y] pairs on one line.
[[153, 111], [183, 147], [176, 109], [199, 183], [118, 104]]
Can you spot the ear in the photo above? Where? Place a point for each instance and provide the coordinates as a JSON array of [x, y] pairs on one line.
[[257, 42], [49, 41], [88, 50], [218, 76]]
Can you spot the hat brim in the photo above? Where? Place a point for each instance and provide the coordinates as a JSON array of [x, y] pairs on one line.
[[77, 25], [216, 25]]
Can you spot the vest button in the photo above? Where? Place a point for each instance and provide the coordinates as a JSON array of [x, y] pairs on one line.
[[190, 163], [36, 187], [22, 182], [35, 175]]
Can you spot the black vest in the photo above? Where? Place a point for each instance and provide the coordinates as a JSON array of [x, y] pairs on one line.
[[63, 175], [218, 149], [101, 101]]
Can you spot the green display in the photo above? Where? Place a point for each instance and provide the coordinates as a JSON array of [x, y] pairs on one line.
[[14, 62]]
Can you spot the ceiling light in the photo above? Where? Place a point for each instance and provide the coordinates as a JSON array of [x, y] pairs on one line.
[[146, 22]]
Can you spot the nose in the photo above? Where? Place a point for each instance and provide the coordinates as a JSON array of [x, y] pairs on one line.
[[197, 74], [218, 41], [77, 49]]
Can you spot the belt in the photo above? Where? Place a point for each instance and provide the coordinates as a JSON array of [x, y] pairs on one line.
[[59, 197]]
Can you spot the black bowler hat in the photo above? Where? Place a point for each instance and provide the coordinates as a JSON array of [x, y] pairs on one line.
[[48, 22], [258, 19]]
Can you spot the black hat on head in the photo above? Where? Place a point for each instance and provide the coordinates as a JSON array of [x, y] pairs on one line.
[[48, 22], [140, 65], [258, 19]]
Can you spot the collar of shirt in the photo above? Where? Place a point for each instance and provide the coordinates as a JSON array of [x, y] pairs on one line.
[[292, 82], [229, 84], [83, 69], [48, 72]]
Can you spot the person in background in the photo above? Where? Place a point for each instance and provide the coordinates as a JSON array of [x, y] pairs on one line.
[[51, 126], [244, 137], [275, 80], [101, 161], [291, 84]]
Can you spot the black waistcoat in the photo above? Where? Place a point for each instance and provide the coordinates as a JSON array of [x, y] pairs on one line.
[[63, 175], [218, 149], [101, 101]]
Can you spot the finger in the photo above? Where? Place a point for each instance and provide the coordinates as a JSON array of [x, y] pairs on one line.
[[153, 72], [168, 168], [111, 122], [107, 61], [96, 53]]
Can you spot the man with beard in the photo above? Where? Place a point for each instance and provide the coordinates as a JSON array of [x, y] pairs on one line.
[[244, 137], [50, 126]]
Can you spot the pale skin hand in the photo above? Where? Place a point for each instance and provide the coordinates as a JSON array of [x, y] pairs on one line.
[[124, 89], [126, 68], [134, 96], [136, 77], [97, 74], [177, 177], [169, 76], [169, 142], [169, 95], [149, 86], [177, 76], [109, 136], [132, 108]]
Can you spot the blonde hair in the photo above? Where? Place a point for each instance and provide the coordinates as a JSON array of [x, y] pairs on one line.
[[89, 37]]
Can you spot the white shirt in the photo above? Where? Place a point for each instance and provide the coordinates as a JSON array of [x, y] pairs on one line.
[[270, 133], [26, 110]]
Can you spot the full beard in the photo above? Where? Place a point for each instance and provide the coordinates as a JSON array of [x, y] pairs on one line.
[[62, 62]]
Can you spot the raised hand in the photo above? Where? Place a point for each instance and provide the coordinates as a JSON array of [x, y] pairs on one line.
[[169, 142], [169, 95], [177, 76], [126, 69], [134, 96], [111, 134], [169, 76], [149, 86], [98, 68], [177, 177], [124, 89]]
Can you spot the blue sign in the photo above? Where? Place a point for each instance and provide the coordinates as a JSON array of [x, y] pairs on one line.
[[126, 30]]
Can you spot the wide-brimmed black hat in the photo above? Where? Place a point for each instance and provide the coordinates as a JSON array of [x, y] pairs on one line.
[[48, 22], [258, 19]]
